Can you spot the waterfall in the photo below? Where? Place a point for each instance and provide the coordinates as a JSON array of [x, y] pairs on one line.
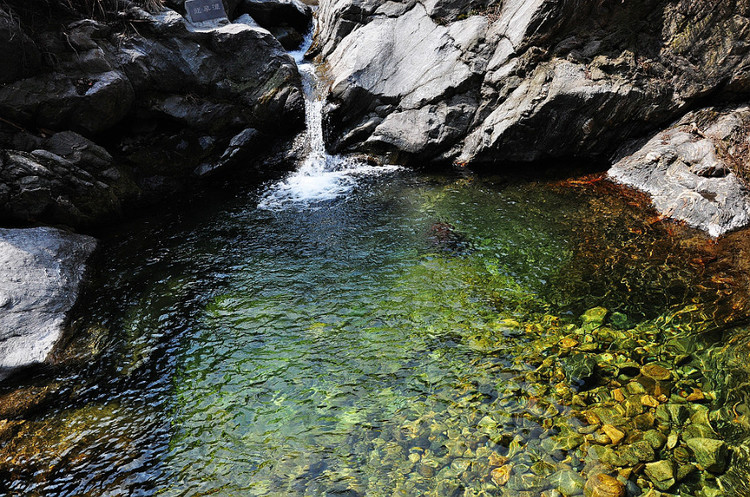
[[320, 177]]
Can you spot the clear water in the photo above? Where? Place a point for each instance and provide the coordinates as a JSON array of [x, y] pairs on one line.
[[321, 176], [352, 348]]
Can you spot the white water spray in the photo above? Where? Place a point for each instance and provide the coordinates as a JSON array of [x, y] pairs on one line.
[[321, 176]]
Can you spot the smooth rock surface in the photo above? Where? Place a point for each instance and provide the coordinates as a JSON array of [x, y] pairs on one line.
[[41, 271], [687, 170]]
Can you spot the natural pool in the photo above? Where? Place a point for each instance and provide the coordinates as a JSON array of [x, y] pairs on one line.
[[424, 335]]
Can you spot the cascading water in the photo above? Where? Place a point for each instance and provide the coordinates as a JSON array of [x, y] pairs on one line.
[[321, 176]]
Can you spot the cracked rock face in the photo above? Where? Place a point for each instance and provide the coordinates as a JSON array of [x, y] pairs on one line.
[[687, 170], [40, 275], [485, 82]]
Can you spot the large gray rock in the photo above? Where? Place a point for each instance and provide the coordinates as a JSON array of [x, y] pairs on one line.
[[687, 170], [488, 82], [40, 275]]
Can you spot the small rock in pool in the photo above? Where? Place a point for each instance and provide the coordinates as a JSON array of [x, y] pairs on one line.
[[602, 485], [445, 237]]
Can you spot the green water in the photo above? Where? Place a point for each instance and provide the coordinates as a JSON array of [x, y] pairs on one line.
[[392, 342]]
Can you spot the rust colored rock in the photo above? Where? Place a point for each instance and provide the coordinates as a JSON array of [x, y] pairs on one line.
[[656, 379]]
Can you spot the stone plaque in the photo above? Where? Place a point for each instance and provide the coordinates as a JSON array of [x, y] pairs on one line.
[[205, 10]]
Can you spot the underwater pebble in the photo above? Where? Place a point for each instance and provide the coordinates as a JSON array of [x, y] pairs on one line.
[[602, 485]]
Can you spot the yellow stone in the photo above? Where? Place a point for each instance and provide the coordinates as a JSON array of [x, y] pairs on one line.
[[602, 485], [501, 475], [613, 433], [568, 342], [618, 395], [496, 459], [649, 401]]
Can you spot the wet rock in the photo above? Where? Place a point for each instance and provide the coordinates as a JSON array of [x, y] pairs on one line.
[[594, 317], [568, 482], [613, 433], [579, 369], [656, 439], [662, 474], [656, 379], [710, 454], [446, 237], [42, 270], [678, 413], [602, 485], [501, 475]]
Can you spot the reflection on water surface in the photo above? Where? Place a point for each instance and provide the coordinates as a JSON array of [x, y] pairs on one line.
[[426, 335]]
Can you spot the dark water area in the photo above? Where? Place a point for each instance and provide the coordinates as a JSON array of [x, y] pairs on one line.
[[422, 335]]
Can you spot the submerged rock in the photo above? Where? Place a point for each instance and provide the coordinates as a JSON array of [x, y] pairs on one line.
[[710, 454], [602, 485], [42, 269]]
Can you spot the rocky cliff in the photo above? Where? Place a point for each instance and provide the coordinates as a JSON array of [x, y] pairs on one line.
[[523, 80], [99, 113]]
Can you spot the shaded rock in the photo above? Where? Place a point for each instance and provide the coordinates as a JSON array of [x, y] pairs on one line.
[[170, 96], [687, 170], [71, 181], [82, 101], [278, 13], [42, 271], [21, 55], [579, 369]]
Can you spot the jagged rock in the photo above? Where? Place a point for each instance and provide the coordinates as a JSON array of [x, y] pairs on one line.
[[170, 95], [41, 271], [687, 170], [523, 80], [71, 181], [710, 454]]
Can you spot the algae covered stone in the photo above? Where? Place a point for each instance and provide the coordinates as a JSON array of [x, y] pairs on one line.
[[710, 454], [661, 473]]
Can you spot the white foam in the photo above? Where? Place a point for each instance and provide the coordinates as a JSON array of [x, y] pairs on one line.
[[321, 177], [309, 186]]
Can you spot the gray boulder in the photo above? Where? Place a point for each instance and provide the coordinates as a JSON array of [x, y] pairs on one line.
[[41, 271], [489, 82], [687, 169]]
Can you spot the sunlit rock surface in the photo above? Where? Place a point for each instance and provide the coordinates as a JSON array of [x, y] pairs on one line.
[[687, 170], [488, 82]]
